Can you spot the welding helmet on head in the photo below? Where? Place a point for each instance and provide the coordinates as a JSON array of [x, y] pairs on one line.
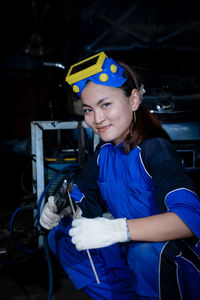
[[99, 69]]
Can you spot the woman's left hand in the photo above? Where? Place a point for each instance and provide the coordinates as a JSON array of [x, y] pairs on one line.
[[98, 232]]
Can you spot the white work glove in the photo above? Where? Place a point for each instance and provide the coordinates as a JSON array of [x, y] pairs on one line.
[[49, 218], [98, 232]]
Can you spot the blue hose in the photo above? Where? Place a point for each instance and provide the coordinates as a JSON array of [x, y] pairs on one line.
[[12, 219], [11, 231]]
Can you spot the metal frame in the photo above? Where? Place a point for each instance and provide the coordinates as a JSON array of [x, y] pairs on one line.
[[37, 129]]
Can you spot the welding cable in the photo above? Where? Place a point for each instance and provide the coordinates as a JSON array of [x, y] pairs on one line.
[[46, 250], [42, 197], [49, 264], [45, 238]]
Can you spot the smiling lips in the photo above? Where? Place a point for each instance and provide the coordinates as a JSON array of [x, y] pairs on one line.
[[103, 128]]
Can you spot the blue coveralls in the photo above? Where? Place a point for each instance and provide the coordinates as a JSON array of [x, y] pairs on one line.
[[147, 181]]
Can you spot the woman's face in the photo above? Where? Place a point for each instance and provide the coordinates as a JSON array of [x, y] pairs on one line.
[[107, 111]]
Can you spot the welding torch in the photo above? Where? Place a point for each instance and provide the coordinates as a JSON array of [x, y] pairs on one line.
[[63, 200]]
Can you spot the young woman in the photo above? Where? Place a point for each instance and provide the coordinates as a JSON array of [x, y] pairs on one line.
[[149, 248]]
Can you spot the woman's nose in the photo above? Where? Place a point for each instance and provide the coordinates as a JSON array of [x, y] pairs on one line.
[[98, 116]]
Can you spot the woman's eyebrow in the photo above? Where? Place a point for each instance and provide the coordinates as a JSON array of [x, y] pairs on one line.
[[98, 103], [83, 105]]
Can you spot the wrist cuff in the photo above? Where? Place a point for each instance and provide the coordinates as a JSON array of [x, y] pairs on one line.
[[128, 232]]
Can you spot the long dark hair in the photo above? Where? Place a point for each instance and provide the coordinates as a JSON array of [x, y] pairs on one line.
[[144, 125]]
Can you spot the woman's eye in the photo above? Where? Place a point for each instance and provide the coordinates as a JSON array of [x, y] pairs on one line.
[[86, 111], [106, 104]]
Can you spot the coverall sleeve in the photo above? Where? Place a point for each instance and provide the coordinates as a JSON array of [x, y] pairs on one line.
[[85, 192], [175, 190]]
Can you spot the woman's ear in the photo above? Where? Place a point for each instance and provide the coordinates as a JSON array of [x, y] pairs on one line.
[[135, 99]]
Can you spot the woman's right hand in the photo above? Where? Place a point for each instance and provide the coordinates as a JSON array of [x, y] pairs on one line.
[[49, 217]]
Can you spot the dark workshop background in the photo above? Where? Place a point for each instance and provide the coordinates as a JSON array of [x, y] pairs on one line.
[[39, 40]]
